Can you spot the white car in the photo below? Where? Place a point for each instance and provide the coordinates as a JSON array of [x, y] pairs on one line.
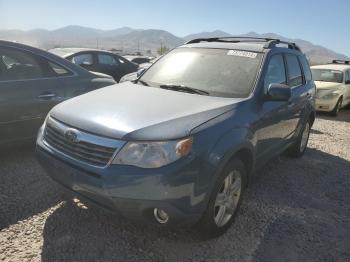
[[333, 86]]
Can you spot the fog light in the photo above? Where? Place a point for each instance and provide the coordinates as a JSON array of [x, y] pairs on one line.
[[160, 215]]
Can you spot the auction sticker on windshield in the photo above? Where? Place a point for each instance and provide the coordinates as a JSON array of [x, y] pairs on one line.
[[242, 53]]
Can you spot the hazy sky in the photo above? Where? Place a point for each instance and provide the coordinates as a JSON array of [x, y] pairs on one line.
[[322, 22]]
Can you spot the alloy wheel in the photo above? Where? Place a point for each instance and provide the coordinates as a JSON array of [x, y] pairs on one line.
[[227, 198]]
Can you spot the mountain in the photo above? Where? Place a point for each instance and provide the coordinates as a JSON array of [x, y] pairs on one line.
[[139, 40], [317, 54], [216, 33], [129, 40]]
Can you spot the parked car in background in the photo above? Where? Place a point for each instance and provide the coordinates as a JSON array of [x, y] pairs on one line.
[[129, 77], [333, 86], [179, 145], [33, 81], [133, 76], [98, 61], [139, 59]]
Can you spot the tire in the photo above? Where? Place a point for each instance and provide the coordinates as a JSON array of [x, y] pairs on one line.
[[218, 218], [337, 107], [299, 147]]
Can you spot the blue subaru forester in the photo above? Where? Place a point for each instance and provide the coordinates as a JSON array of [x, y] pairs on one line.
[[180, 144]]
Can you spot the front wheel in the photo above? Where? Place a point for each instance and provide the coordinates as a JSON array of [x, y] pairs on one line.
[[224, 200], [337, 107]]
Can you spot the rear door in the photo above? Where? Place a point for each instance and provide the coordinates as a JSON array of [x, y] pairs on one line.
[[110, 65], [28, 90]]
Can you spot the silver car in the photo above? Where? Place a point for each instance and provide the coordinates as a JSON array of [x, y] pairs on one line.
[[32, 81]]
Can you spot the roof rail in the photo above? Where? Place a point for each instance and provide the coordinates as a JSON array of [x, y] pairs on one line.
[[275, 42], [346, 62], [270, 42]]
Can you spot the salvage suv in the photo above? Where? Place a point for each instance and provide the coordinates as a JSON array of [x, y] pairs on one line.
[[179, 144]]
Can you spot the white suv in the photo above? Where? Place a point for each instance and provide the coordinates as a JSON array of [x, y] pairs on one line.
[[333, 86]]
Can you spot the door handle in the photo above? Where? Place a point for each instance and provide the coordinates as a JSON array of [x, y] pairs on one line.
[[47, 95]]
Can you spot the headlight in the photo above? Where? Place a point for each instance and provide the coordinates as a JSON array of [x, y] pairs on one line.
[[330, 96], [42, 129], [153, 154]]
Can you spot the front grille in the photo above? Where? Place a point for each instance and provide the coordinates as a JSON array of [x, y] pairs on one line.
[[89, 148]]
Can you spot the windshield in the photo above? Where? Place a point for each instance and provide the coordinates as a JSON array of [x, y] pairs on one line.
[[327, 75], [218, 72]]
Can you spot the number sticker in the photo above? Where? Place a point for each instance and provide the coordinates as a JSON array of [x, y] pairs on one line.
[[242, 53]]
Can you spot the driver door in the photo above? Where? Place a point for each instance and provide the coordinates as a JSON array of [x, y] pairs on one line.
[[273, 115]]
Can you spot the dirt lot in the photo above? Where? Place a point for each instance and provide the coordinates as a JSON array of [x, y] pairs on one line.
[[296, 210]]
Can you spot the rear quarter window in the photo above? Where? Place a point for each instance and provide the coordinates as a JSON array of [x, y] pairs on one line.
[[306, 68]]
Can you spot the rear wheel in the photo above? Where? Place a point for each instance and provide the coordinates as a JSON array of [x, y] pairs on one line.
[[299, 147], [224, 200], [337, 107]]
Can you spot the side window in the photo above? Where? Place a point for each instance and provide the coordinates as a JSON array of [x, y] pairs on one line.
[[59, 70], [294, 71], [306, 68], [348, 75], [276, 72], [106, 59], [83, 59], [19, 65]]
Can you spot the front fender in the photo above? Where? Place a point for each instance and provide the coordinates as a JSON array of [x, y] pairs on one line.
[[231, 143]]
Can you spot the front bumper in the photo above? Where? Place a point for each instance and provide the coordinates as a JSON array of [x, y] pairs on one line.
[[326, 105], [130, 191]]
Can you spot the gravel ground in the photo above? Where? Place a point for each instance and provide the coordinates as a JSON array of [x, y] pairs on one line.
[[295, 210]]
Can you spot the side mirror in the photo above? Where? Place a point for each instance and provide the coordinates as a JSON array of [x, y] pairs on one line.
[[140, 72], [279, 92]]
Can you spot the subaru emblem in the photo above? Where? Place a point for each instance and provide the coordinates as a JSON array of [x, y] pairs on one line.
[[72, 135]]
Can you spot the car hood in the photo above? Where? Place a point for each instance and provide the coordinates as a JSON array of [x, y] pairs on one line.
[[133, 112], [326, 88], [326, 85]]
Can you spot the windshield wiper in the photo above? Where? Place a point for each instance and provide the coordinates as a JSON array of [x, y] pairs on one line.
[[142, 82], [182, 88]]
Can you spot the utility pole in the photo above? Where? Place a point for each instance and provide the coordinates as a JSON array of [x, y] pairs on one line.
[[161, 46]]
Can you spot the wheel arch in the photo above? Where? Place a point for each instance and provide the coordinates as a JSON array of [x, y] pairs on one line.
[[312, 117]]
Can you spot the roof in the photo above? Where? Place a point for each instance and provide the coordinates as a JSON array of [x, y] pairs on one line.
[[341, 67], [254, 44], [251, 46], [67, 51]]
